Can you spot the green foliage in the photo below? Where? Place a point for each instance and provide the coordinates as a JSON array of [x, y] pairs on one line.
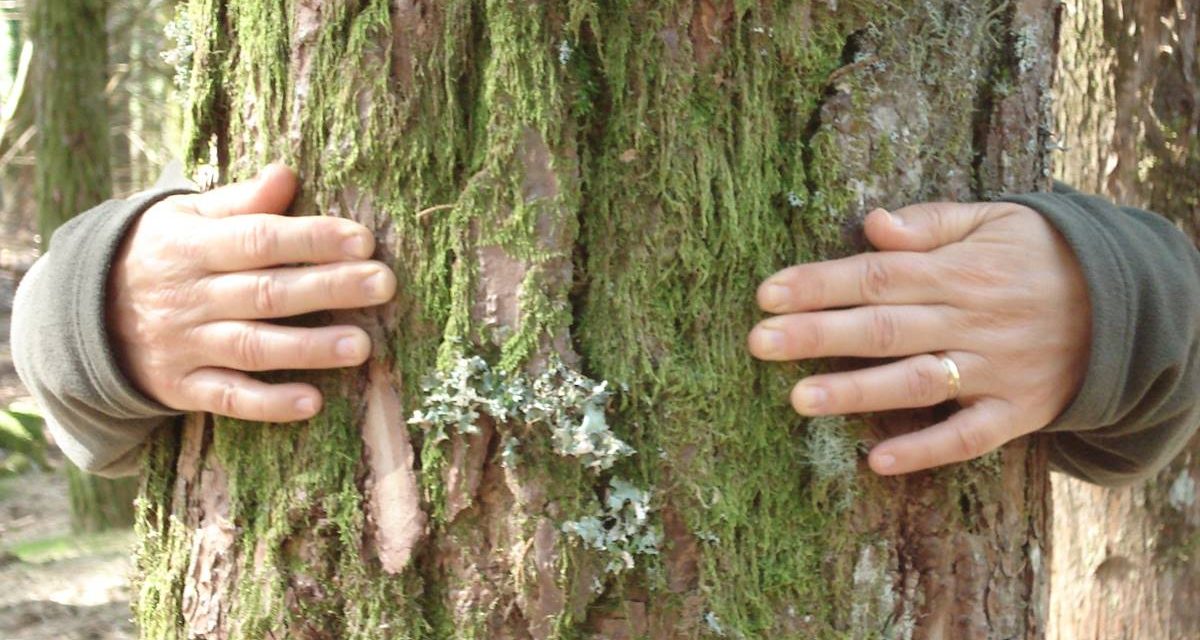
[[22, 439], [74, 545]]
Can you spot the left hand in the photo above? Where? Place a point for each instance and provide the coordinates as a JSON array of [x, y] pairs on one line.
[[992, 285]]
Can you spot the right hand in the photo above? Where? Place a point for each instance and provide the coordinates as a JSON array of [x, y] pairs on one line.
[[197, 274]]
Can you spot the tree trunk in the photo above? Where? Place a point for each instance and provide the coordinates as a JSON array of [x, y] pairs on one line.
[[1129, 116], [74, 173], [71, 52], [561, 434], [98, 504]]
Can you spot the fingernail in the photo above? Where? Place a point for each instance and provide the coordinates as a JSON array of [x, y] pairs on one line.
[[350, 347], [355, 246], [885, 461], [895, 220], [306, 406], [812, 399], [377, 286], [774, 296], [768, 341]]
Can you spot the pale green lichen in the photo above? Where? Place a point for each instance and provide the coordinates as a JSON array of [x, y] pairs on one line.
[[570, 404], [179, 31], [622, 528], [877, 611], [510, 454], [832, 454], [713, 622], [1183, 491]]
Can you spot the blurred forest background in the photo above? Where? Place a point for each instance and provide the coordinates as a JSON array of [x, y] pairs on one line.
[[89, 110], [1128, 113]]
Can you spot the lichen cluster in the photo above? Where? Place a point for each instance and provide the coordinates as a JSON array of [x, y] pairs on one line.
[[571, 408], [570, 405], [179, 32], [832, 452], [622, 529]]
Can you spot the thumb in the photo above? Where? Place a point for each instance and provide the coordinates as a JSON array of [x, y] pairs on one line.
[[271, 191], [923, 227]]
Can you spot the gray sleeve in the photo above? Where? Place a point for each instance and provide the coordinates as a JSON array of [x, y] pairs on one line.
[[61, 348], [1140, 400]]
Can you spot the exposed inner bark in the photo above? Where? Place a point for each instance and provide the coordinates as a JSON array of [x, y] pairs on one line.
[[393, 496]]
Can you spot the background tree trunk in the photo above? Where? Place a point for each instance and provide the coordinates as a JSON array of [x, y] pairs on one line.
[[98, 504], [579, 200], [73, 173], [71, 113], [1129, 116]]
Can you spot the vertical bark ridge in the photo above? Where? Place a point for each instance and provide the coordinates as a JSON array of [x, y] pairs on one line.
[[591, 192]]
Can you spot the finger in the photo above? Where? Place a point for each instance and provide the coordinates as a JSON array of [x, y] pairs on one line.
[[271, 191], [968, 434], [237, 395], [869, 278], [256, 241], [874, 332], [291, 291], [924, 227], [919, 381], [260, 346]]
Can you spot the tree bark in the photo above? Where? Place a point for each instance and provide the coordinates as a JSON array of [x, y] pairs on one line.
[[561, 434], [1128, 114]]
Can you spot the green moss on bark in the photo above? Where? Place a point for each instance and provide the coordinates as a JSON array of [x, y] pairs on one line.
[[672, 155]]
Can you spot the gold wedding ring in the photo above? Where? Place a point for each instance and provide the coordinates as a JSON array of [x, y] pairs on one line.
[[953, 381]]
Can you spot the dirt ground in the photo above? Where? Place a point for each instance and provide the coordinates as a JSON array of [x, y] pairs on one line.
[[53, 585]]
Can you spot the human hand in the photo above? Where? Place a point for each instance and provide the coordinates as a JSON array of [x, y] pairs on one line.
[[991, 285], [196, 275]]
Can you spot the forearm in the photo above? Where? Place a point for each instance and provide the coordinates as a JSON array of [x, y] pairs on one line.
[[1140, 400], [61, 348]]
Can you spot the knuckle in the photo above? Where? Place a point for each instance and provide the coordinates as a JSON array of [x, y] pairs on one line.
[[226, 399], [812, 337], [882, 330], [268, 296], [338, 284], [249, 350], [874, 280], [259, 239], [970, 442], [922, 383]]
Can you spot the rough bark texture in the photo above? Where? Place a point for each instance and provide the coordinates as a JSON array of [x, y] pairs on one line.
[[1127, 561], [579, 200]]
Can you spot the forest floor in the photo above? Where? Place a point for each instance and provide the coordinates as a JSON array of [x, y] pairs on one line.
[[54, 585]]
